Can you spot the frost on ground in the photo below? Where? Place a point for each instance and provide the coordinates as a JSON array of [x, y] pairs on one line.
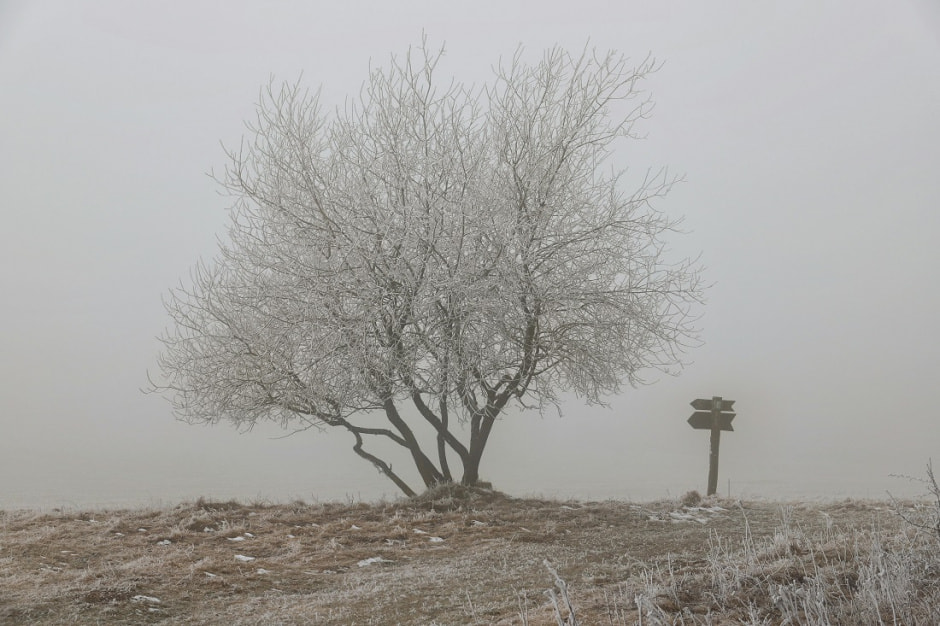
[[149, 599], [472, 560], [699, 514]]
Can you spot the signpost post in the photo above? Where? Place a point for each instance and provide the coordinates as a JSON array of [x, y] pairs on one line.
[[714, 415]]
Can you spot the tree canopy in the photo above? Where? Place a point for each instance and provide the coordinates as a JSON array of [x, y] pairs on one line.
[[431, 254]]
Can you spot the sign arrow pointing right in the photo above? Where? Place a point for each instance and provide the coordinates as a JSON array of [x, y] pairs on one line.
[[703, 404]]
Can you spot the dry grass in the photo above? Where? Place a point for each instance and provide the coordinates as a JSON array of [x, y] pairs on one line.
[[470, 557]]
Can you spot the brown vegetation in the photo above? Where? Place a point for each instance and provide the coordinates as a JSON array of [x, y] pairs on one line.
[[470, 556]]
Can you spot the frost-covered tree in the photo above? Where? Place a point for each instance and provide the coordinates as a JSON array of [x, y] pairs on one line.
[[428, 256]]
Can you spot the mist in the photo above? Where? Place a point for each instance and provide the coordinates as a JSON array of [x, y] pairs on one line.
[[807, 134]]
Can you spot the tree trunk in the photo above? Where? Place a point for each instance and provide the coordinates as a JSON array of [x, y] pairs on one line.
[[471, 471], [479, 434], [430, 475]]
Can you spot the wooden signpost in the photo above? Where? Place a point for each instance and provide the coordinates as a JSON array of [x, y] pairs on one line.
[[714, 415]]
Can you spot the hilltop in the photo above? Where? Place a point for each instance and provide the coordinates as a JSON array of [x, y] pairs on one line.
[[472, 556]]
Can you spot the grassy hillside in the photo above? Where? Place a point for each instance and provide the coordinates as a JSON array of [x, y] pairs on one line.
[[459, 556]]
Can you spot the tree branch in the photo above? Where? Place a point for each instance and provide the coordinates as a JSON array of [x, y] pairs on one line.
[[382, 466]]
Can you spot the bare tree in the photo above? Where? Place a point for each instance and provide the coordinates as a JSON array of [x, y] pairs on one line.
[[428, 256]]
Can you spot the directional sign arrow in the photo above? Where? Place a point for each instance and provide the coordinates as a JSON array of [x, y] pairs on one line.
[[703, 404], [703, 420]]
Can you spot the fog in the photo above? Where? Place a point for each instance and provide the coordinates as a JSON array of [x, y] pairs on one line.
[[808, 134]]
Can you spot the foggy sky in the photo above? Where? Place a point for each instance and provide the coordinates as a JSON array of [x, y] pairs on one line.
[[808, 133]]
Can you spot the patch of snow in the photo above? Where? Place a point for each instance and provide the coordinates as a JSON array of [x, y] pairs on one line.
[[418, 531], [290, 536], [243, 558], [141, 530], [211, 575], [370, 561], [235, 538], [118, 534], [477, 523], [249, 535], [149, 599], [435, 540], [208, 530], [261, 570], [685, 517], [354, 527], [165, 542], [705, 509], [565, 507]]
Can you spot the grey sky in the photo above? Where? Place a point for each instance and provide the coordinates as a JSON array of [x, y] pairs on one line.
[[808, 132]]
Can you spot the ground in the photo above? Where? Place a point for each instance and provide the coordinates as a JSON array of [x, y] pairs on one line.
[[472, 556]]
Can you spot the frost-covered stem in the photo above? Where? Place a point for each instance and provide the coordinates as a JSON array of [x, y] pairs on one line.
[[563, 588], [934, 490]]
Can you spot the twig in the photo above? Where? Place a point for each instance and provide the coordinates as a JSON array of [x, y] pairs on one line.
[[563, 589]]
